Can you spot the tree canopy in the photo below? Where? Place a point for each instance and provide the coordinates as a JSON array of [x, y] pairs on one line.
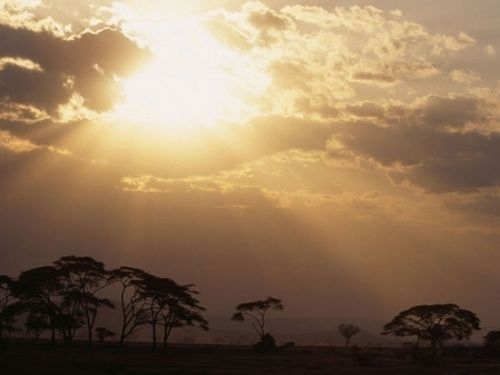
[[348, 330], [492, 339], [257, 311], [435, 323], [64, 297], [7, 306]]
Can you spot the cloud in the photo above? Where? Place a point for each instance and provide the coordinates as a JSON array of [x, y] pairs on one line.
[[24, 14], [490, 50], [455, 111], [366, 109], [440, 144], [464, 77], [60, 17], [202, 192], [256, 25], [44, 71], [15, 145], [485, 203], [316, 57]]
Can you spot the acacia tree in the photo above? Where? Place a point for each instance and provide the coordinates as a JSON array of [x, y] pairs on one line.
[[133, 304], [181, 309], [82, 278], [102, 333], [170, 305], [156, 292], [257, 311], [435, 323], [39, 290], [492, 339], [348, 330], [36, 322], [8, 308]]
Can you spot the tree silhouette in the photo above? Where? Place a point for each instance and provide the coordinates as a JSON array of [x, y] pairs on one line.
[[492, 339], [8, 309], [435, 323], [82, 278], [348, 330], [63, 298], [181, 310], [36, 322], [156, 293], [39, 291], [102, 333], [132, 299], [170, 305], [257, 311]]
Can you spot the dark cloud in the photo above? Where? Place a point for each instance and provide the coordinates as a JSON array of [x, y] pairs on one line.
[[485, 203], [380, 77], [454, 112], [46, 132], [460, 174], [43, 90], [86, 64], [432, 157]]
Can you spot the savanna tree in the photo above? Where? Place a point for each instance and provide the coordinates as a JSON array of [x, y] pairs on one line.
[[8, 308], [434, 323], [181, 309], [39, 293], [348, 330], [36, 322], [492, 339], [133, 304], [257, 311], [82, 278], [170, 305], [156, 293], [102, 333]]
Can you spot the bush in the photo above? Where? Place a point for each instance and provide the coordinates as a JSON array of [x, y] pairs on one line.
[[266, 343]]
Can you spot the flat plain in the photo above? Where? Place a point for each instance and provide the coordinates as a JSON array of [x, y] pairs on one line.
[[22, 358]]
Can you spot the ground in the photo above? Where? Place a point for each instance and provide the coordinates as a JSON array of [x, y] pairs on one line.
[[21, 358]]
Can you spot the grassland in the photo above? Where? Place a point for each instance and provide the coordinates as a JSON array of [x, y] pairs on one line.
[[22, 358]]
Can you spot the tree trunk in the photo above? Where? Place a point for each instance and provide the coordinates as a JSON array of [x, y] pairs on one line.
[[166, 333], [120, 344], [53, 336], [434, 351], [122, 338], [153, 325], [165, 338], [90, 335]]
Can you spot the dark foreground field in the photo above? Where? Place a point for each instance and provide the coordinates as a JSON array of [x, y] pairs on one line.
[[24, 358]]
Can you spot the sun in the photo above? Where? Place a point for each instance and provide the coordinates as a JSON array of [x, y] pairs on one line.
[[186, 84]]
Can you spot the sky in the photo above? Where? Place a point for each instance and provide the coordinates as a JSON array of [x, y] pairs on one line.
[[339, 155]]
